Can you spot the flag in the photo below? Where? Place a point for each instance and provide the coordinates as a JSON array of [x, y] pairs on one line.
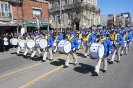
[[56, 4], [58, 18], [38, 26]]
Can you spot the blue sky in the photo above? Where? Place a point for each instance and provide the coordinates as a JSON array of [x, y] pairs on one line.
[[115, 6]]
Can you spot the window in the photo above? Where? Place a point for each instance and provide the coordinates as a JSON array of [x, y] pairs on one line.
[[36, 13], [5, 9]]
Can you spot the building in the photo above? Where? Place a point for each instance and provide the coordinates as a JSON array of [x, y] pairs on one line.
[[127, 17], [104, 20], [16, 14], [76, 14], [120, 20]]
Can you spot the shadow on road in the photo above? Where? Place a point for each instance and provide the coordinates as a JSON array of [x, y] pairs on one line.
[[58, 63], [84, 68], [80, 54]]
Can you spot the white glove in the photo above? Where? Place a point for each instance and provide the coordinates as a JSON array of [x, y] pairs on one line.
[[73, 49], [48, 45], [109, 52]]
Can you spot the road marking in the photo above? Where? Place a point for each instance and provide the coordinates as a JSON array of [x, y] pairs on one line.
[[22, 69], [42, 76], [28, 67]]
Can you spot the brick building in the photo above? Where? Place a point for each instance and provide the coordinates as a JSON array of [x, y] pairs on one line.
[[15, 14]]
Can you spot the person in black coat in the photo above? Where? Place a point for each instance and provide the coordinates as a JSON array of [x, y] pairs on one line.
[[1, 44]]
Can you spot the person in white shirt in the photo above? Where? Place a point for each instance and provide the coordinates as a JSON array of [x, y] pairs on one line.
[[6, 43]]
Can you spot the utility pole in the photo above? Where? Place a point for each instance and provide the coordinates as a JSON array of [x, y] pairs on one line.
[[60, 16], [17, 16]]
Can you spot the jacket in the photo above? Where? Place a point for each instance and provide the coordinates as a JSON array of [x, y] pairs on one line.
[[50, 41]]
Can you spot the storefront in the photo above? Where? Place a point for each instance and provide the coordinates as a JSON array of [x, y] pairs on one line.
[[32, 25]]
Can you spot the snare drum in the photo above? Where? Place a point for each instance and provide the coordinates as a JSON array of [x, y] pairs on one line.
[[79, 40], [22, 43], [41, 43], [124, 43], [64, 46], [13, 41], [30, 43], [97, 50]]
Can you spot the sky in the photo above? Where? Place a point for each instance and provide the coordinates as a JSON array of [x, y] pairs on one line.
[[115, 6]]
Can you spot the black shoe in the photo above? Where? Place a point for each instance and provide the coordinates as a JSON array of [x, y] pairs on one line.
[[43, 60], [95, 73], [111, 62], [85, 56], [104, 71], [50, 59], [18, 54], [65, 66], [24, 56], [75, 64], [31, 58], [121, 54], [118, 61]]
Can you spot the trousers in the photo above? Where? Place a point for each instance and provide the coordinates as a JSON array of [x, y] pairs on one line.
[[68, 58], [97, 67], [48, 50], [35, 50]]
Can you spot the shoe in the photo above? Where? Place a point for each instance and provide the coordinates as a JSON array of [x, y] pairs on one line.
[[121, 54], [75, 64], [111, 62], [118, 61], [104, 71], [31, 58], [95, 73], [43, 60], [24, 56], [65, 66], [50, 59]]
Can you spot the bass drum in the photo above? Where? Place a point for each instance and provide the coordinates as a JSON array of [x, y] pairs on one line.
[[96, 50], [13, 41], [30, 43], [22, 43], [41, 43], [64, 46]]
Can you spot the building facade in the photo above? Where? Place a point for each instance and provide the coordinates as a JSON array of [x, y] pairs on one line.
[[75, 14], [15, 14], [104, 20]]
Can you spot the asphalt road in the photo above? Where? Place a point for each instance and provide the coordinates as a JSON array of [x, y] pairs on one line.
[[18, 72]]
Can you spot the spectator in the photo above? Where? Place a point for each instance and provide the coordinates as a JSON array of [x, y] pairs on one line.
[[6, 43], [1, 44]]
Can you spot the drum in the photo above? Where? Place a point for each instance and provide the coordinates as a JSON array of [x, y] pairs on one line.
[[41, 43], [30, 43], [22, 43], [13, 41], [97, 50], [54, 44], [64, 46], [124, 43]]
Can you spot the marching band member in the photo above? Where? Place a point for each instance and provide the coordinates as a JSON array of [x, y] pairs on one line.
[[118, 42], [58, 37], [26, 49], [19, 48], [107, 50], [36, 49], [80, 37], [50, 41], [74, 43], [129, 39], [125, 40], [89, 39]]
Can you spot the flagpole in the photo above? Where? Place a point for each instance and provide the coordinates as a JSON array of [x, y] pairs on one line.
[[60, 16]]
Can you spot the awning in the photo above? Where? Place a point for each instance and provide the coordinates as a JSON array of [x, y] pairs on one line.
[[30, 23]]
